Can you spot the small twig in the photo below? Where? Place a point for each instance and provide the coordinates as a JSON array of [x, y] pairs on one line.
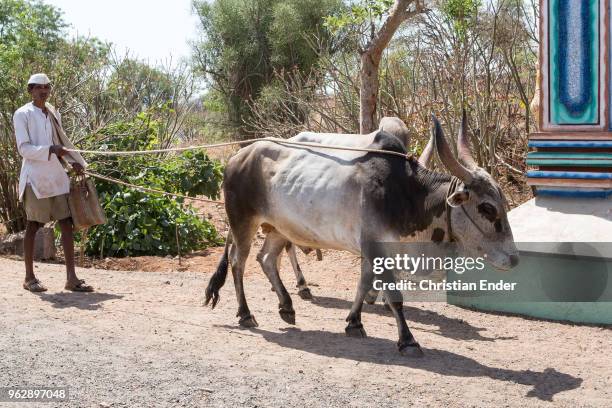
[[178, 243], [510, 167]]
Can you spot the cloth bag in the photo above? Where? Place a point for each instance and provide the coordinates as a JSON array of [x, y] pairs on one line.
[[83, 201]]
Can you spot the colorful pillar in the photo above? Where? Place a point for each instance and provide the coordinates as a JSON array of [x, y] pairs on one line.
[[572, 151]]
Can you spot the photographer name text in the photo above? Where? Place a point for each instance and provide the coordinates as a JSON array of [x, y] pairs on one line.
[[430, 285]]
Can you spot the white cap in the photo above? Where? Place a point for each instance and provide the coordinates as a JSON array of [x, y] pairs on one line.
[[39, 79]]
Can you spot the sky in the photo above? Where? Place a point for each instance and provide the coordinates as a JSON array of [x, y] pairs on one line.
[[152, 30]]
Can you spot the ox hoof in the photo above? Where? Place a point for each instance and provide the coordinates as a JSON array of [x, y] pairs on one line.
[[248, 321], [410, 350], [355, 331], [287, 315], [305, 294]]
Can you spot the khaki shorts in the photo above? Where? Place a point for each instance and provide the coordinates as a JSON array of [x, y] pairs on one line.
[[44, 210]]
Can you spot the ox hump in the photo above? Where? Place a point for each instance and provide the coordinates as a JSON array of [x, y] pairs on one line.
[[386, 141]]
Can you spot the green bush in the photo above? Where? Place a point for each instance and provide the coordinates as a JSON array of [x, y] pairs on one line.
[[142, 223]]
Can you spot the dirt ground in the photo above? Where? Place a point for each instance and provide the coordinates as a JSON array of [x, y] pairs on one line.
[[145, 339]]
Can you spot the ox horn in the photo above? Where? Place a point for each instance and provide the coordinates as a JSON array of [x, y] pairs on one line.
[[447, 157], [463, 144], [427, 153]]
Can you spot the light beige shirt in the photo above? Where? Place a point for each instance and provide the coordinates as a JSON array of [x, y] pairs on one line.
[[42, 170]]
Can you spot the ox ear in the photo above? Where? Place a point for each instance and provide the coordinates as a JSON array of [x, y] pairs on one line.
[[427, 153], [446, 156], [458, 198]]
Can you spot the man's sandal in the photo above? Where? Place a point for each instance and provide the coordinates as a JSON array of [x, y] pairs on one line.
[[80, 287], [34, 285]]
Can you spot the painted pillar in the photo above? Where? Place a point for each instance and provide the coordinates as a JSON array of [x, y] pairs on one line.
[[572, 150]]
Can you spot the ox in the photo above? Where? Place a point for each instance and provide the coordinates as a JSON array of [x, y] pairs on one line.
[[342, 200]]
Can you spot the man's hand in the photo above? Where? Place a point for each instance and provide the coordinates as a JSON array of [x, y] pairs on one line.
[[58, 150], [78, 168]]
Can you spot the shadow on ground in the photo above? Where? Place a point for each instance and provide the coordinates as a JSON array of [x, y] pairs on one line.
[[83, 301], [457, 329], [382, 351]]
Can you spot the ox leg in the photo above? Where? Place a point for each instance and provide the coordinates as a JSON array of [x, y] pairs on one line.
[[260, 255], [238, 255], [406, 344], [303, 289], [269, 259], [354, 327]]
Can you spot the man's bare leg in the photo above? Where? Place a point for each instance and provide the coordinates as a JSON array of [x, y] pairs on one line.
[[28, 249], [72, 282], [68, 246]]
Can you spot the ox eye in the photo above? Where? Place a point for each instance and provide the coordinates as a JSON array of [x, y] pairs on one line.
[[488, 211]]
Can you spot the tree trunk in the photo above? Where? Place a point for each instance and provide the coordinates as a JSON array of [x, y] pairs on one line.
[[370, 60], [368, 93]]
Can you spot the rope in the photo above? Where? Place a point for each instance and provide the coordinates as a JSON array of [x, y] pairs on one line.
[[216, 145], [151, 190], [173, 149]]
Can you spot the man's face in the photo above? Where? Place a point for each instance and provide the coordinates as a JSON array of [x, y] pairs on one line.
[[40, 93]]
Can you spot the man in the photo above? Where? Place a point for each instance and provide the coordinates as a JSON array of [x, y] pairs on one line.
[[44, 184]]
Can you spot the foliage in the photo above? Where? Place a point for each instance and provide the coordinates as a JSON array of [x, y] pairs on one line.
[[246, 43], [462, 13], [30, 36], [143, 223], [358, 14], [356, 26]]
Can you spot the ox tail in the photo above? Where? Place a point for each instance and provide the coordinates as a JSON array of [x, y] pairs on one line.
[[218, 279]]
